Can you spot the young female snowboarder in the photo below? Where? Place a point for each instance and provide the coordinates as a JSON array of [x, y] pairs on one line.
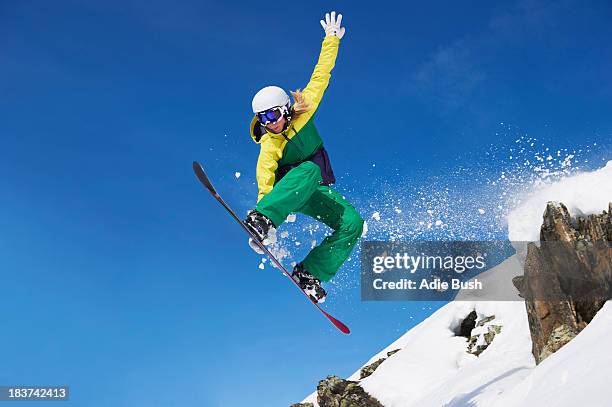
[[294, 173]]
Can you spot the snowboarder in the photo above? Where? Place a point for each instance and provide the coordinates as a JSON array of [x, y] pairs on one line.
[[294, 172]]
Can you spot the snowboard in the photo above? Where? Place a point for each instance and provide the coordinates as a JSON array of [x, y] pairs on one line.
[[203, 178]]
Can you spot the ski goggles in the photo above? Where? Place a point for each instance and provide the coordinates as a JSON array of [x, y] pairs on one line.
[[271, 116]]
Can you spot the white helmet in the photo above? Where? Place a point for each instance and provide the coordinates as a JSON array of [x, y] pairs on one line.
[[269, 97]]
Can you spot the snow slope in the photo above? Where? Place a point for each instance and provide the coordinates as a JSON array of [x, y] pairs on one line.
[[434, 369], [498, 282], [579, 374]]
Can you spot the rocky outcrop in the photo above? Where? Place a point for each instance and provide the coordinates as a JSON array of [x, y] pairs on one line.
[[466, 326], [369, 369], [478, 332], [568, 278], [336, 392], [482, 335]]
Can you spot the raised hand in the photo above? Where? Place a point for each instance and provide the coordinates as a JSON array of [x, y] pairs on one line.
[[331, 25]]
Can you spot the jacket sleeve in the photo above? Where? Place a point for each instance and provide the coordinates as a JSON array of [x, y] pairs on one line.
[[313, 92], [267, 163]]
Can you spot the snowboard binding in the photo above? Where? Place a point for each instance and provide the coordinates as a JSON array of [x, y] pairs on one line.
[[262, 227], [309, 284]]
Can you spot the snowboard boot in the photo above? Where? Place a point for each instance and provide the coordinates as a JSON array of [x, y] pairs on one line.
[[262, 228], [309, 283]]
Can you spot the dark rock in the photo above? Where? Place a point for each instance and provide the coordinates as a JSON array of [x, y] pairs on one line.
[[469, 323], [567, 279], [336, 392], [369, 369], [483, 321], [476, 347], [493, 330]]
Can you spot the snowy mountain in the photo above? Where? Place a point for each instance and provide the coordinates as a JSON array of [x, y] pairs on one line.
[[433, 367], [480, 353]]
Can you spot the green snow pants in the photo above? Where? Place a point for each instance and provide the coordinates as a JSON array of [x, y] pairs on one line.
[[300, 191]]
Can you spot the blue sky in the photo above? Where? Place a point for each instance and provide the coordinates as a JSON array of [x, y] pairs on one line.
[[124, 280]]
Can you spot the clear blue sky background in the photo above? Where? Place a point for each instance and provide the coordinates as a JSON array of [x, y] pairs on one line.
[[120, 275]]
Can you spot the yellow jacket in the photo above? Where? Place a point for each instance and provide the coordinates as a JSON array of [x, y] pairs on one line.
[[301, 138]]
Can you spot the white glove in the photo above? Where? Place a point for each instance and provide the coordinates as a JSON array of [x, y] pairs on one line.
[[331, 25]]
